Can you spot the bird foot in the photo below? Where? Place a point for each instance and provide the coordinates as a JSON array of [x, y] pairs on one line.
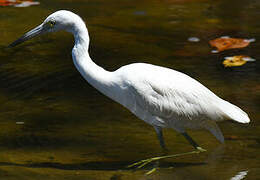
[[145, 162], [200, 149]]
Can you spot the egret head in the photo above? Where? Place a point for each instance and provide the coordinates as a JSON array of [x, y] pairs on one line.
[[59, 20]]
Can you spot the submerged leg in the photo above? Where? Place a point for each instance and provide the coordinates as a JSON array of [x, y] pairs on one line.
[[159, 133], [192, 142]]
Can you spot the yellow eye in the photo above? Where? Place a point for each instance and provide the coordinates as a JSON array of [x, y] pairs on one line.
[[51, 23]]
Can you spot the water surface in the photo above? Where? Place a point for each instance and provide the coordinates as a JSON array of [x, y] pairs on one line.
[[54, 125]]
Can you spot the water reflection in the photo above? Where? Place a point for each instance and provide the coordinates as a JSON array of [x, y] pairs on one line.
[[240, 175]]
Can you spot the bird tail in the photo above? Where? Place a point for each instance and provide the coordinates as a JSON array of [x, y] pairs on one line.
[[233, 112]]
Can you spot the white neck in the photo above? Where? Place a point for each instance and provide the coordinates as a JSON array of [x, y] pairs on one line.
[[94, 74]]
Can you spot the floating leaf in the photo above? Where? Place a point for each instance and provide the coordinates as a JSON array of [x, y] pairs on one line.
[[26, 4], [225, 42], [18, 3], [236, 60]]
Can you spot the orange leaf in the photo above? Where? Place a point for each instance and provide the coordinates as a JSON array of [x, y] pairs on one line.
[[225, 43], [236, 60]]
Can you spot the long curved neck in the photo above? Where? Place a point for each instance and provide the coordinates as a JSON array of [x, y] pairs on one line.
[[94, 74]]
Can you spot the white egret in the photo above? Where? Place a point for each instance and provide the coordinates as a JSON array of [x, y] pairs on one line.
[[162, 97]]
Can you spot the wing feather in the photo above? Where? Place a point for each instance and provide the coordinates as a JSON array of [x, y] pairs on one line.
[[169, 94]]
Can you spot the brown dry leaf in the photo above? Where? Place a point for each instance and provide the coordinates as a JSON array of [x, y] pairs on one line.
[[236, 60], [224, 43]]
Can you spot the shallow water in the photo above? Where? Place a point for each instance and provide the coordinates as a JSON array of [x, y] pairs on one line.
[[54, 125]]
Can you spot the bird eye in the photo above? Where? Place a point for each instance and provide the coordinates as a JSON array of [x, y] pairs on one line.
[[51, 23]]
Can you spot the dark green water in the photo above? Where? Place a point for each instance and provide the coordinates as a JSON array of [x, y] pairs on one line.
[[71, 131]]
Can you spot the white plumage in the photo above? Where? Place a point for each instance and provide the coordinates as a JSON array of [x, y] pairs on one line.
[[170, 99], [162, 97]]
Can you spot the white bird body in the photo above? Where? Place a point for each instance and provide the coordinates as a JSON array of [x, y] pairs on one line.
[[162, 97]]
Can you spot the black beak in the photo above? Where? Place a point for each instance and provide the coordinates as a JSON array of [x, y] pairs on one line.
[[41, 29]]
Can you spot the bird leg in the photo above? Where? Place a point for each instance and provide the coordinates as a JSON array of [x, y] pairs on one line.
[[159, 134], [192, 142], [158, 130]]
